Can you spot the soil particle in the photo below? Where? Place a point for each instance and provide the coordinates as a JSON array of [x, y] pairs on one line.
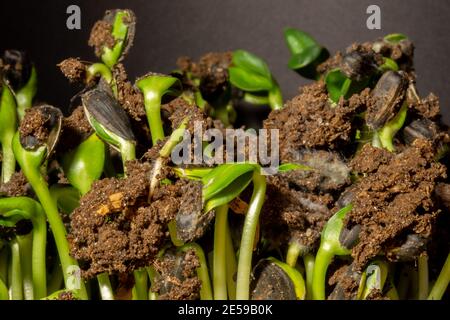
[[308, 120], [73, 69], [101, 37], [177, 276], [113, 229], [178, 109], [35, 126], [346, 283], [288, 214], [66, 295], [75, 128], [17, 186], [428, 107], [395, 201], [370, 158]]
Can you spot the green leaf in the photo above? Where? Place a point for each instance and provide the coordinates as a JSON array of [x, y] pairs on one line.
[[389, 64], [332, 231], [297, 41], [83, 165], [304, 58], [253, 64], [249, 81], [337, 84], [220, 177], [285, 167], [230, 192], [395, 37]]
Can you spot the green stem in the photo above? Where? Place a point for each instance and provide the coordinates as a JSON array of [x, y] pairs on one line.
[[293, 253], [4, 257], [24, 96], [56, 278], [275, 98], [15, 273], [56, 224], [323, 260], [423, 277], [25, 249], [231, 265], [3, 291], [220, 265], [127, 151], [8, 159], [387, 133], [442, 281], [403, 284], [104, 286], [308, 260], [248, 236], [256, 99], [202, 270], [140, 289], [152, 274]]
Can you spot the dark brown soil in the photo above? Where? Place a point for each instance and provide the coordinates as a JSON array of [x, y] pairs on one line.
[[75, 128], [395, 201], [177, 276], [289, 214], [34, 126], [73, 69], [101, 37], [17, 186], [309, 121], [346, 283]]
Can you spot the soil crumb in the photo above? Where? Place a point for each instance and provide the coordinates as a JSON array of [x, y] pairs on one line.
[[101, 37], [17, 186], [395, 201], [177, 278], [73, 69]]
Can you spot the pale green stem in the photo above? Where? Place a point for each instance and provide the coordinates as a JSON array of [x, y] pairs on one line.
[[293, 253], [220, 266], [308, 260], [15, 273], [231, 265], [423, 277], [105, 288], [275, 98], [248, 237], [140, 289], [323, 259], [25, 249], [441, 284], [8, 159]]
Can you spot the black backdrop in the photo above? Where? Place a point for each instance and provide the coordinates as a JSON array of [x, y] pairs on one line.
[[168, 29]]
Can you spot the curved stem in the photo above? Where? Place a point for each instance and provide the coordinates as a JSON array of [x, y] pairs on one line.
[[56, 224], [231, 264], [202, 270], [8, 159], [308, 260], [220, 266], [15, 273], [24, 96], [140, 289], [255, 99], [323, 260], [423, 277], [293, 253], [248, 236], [275, 98], [442, 281], [25, 249]]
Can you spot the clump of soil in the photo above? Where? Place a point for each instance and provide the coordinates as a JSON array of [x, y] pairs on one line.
[[309, 121], [289, 214], [114, 230], [346, 283], [17, 186], [211, 69], [73, 69], [396, 200], [75, 128], [369, 159], [35, 126], [101, 37], [66, 295], [429, 107], [177, 278]]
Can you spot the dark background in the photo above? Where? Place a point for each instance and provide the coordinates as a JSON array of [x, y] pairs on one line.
[[168, 29]]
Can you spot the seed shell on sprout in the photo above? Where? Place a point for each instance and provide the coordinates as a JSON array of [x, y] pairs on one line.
[[105, 109], [387, 97], [110, 16]]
